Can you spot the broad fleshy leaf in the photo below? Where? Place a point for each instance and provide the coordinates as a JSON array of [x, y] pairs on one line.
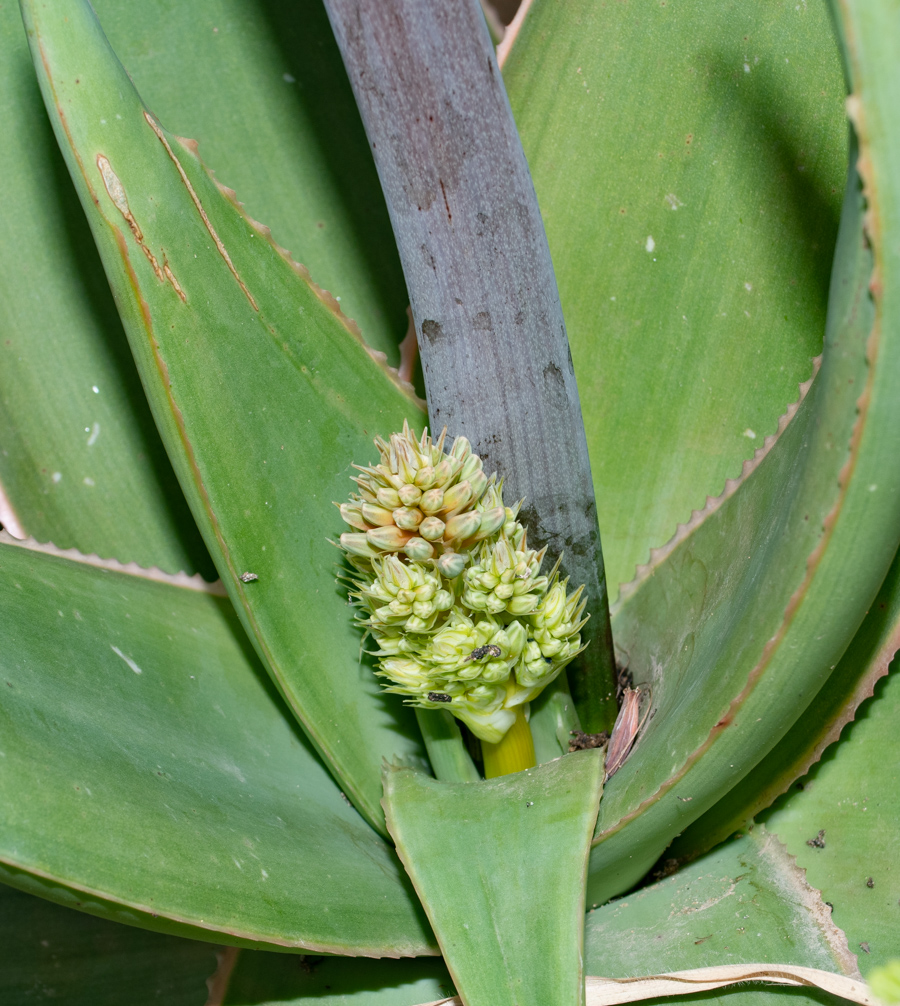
[[261, 86], [500, 868], [82, 463], [746, 901], [689, 161], [51, 954], [854, 679], [851, 796], [150, 775], [278, 980], [737, 624], [263, 392]]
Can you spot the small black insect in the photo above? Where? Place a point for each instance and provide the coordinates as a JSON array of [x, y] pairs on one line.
[[491, 650], [439, 697], [870, 882], [818, 842]]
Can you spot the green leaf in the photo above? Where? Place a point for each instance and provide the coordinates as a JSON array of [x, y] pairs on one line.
[[264, 979], [851, 795], [150, 775], [688, 160], [263, 393], [745, 902], [738, 624], [500, 868], [853, 680], [48, 953], [261, 86], [82, 463]]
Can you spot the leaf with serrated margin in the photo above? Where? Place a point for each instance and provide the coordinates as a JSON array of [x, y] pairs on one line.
[[263, 392], [851, 795], [737, 628], [82, 463], [150, 774], [688, 160], [853, 681]]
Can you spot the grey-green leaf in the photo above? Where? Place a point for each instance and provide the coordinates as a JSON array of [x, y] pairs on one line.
[[739, 623], [689, 160], [745, 902], [51, 954], [263, 392], [500, 867], [82, 464], [149, 774], [851, 795]]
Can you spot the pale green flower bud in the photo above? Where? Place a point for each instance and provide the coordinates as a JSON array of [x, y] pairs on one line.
[[457, 497], [471, 465], [387, 539], [463, 525], [418, 549], [407, 518], [446, 472], [357, 544], [432, 501], [376, 516], [451, 564], [491, 522], [352, 515], [388, 497], [432, 529], [461, 449], [425, 477], [410, 495]]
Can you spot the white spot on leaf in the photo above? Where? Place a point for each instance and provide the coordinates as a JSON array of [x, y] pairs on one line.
[[127, 660], [650, 244]]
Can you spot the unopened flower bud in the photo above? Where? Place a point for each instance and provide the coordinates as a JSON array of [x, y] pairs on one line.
[[410, 495], [463, 525], [407, 518], [457, 497], [376, 516], [388, 497], [432, 501], [418, 549], [388, 539], [357, 544], [451, 564], [352, 515], [432, 528]]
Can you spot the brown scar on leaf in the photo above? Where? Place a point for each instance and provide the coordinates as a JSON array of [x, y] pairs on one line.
[[116, 191], [223, 251]]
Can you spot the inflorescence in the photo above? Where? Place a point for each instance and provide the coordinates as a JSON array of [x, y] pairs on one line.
[[449, 589]]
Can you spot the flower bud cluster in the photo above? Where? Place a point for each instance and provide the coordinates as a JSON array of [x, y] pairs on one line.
[[449, 589]]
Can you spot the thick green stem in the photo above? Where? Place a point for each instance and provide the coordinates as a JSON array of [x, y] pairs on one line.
[[449, 759], [514, 753]]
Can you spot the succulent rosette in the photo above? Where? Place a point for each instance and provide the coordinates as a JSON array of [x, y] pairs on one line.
[[448, 588]]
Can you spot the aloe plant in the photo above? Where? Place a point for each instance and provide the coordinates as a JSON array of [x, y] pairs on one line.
[[194, 740]]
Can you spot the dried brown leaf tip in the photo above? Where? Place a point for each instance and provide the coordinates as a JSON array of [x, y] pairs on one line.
[[627, 727]]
